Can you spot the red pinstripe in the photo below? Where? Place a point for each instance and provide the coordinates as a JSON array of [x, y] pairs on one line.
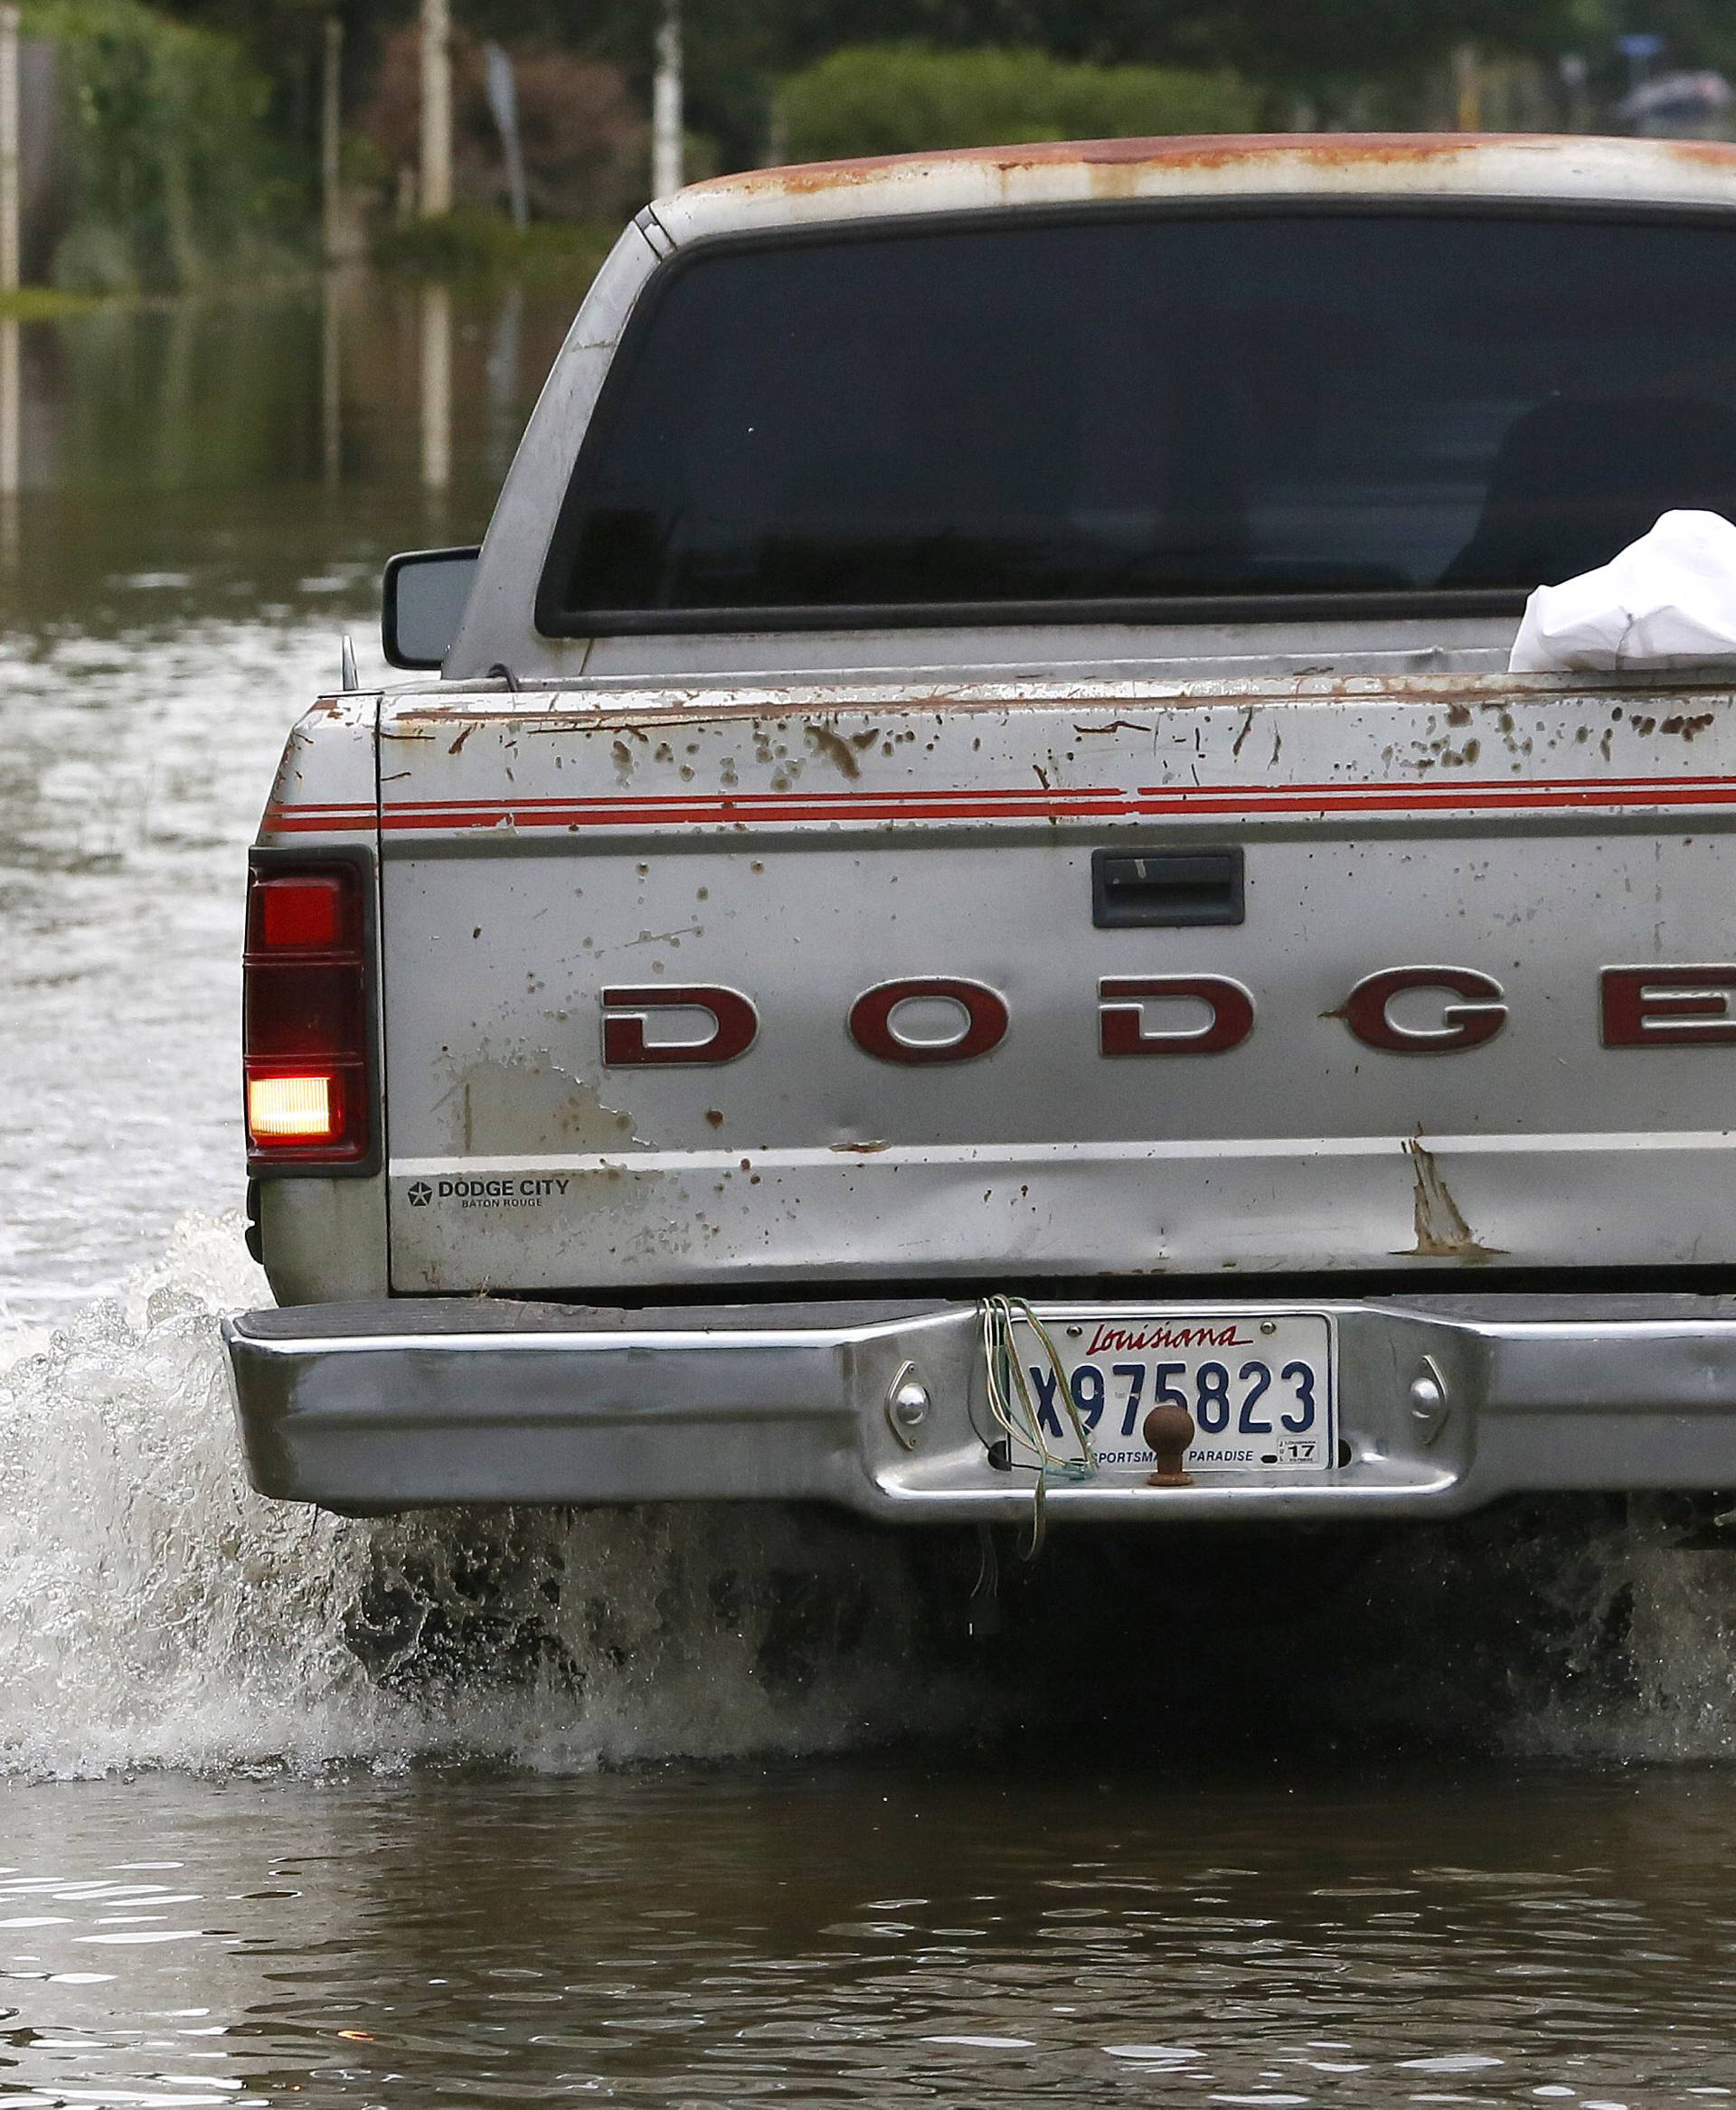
[[750, 809]]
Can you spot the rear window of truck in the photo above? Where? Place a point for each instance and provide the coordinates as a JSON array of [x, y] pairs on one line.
[[1129, 415]]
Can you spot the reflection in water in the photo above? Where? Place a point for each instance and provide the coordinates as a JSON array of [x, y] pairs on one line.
[[505, 356], [437, 387], [331, 373], [11, 442], [245, 447]]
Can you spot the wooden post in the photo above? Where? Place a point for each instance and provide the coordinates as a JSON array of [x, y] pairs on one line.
[[10, 203], [436, 109], [665, 105], [331, 136]]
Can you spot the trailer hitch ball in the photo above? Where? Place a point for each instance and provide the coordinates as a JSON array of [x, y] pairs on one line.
[[1168, 1431]]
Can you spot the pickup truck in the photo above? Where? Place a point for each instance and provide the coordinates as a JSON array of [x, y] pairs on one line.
[[961, 915]]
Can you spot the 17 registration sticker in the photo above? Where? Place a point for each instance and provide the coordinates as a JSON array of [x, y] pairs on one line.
[[1261, 1388]]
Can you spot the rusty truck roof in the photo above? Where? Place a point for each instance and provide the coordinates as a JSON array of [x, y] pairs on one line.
[[1536, 168]]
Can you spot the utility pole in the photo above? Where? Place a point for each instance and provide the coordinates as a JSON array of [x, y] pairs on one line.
[[436, 109], [10, 203], [331, 121], [665, 105]]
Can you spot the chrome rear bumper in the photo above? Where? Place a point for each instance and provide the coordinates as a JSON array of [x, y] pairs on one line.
[[879, 1408]]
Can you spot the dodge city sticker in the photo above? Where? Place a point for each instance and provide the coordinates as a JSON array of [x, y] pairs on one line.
[[504, 1192]]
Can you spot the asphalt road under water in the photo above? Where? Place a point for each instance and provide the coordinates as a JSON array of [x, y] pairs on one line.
[[678, 1808]]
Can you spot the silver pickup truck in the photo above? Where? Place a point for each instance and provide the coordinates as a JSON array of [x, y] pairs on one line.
[[965, 914]]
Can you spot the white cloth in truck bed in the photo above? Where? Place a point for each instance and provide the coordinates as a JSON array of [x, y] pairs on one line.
[[1667, 601]]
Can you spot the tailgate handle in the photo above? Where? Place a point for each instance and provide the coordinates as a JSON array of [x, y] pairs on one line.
[[1165, 889]]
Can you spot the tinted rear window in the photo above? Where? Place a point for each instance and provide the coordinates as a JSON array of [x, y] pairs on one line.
[[1126, 411]]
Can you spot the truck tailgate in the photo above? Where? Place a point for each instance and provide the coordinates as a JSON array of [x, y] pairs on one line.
[[802, 850]]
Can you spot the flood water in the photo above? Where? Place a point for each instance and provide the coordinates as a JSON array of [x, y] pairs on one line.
[[683, 1808]]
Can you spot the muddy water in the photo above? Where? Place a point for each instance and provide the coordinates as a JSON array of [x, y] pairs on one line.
[[883, 1934], [685, 1809]]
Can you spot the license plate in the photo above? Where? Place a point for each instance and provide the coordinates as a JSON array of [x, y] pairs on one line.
[[1261, 1388]]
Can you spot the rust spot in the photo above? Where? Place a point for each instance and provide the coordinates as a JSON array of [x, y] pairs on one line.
[[1687, 727], [1115, 725], [1713, 152], [839, 751], [714, 1117], [1442, 1232], [1459, 714], [458, 743], [859, 1149], [1327, 150]]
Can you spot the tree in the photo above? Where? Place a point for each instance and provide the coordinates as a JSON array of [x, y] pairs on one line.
[[738, 50]]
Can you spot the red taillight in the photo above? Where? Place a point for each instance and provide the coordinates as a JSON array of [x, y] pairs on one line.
[[302, 910], [306, 1035]]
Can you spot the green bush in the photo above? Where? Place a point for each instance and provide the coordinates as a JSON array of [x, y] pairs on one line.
[[176, 175], [468, 244], [906, 98]]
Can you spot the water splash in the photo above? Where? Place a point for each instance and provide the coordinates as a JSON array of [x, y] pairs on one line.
[[1562, 1627], [1649, 1673], [155, 1612]]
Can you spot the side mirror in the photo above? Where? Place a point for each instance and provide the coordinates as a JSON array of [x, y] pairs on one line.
[[423, 601]]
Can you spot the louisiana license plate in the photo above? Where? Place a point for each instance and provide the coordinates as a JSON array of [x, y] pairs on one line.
[[1261, 1389]]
